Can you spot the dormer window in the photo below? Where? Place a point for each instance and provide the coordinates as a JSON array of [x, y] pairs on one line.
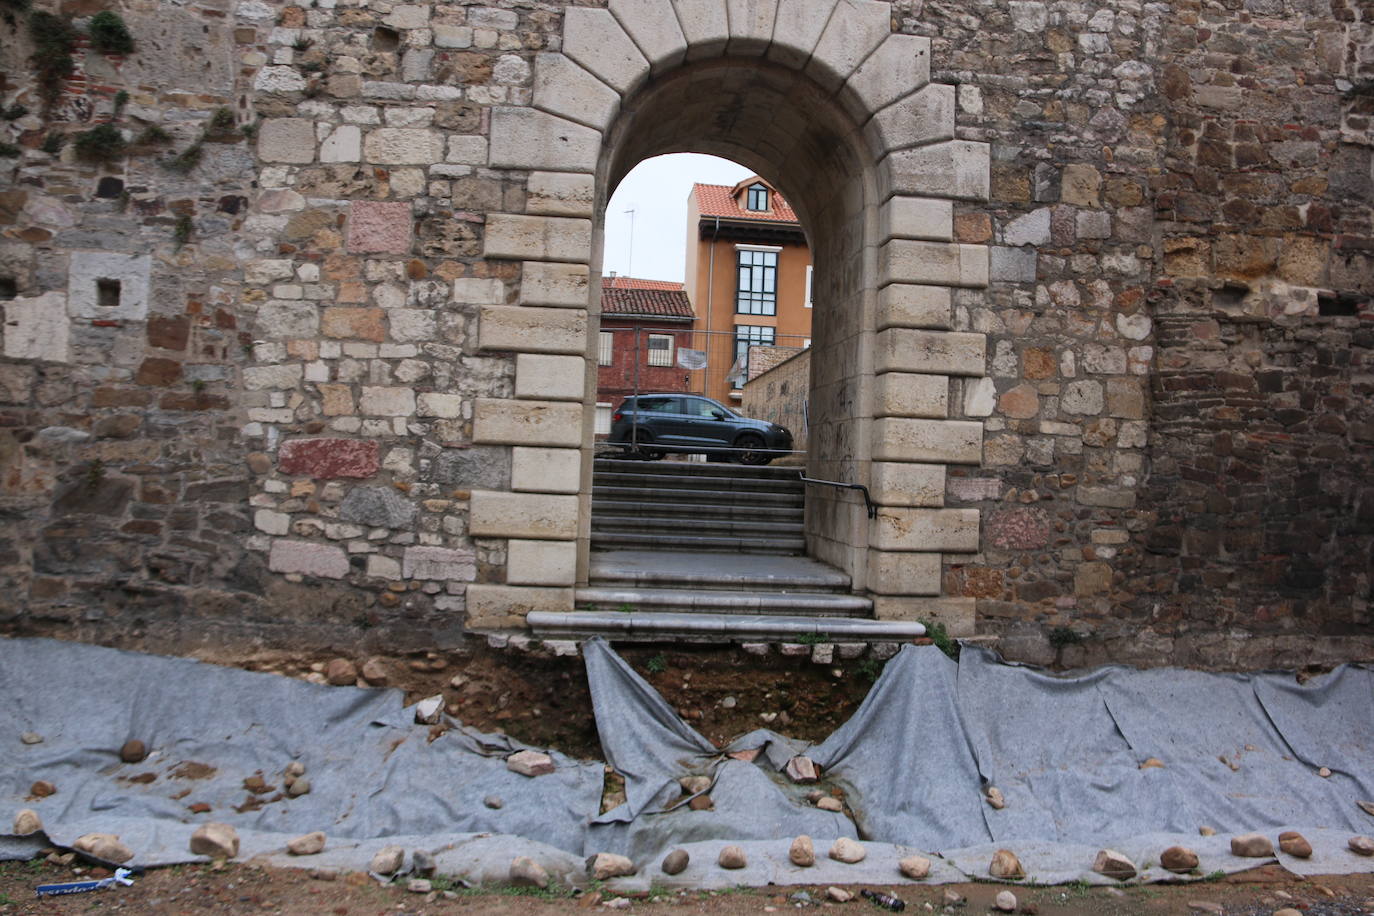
[[757, 198]]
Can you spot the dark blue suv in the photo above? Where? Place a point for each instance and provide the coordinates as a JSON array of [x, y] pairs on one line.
[[652, 425]]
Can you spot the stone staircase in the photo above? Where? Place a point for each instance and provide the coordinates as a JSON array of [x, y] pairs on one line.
[[708, 552], [691, 506]]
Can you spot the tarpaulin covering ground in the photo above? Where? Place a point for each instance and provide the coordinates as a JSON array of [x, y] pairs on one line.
[[1239, 753]]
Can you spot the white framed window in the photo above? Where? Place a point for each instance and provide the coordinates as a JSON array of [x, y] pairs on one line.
[[603, 418], [660, 349], [806, 343], [808, 286], [605, 348]]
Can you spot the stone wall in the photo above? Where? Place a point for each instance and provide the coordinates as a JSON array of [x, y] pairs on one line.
[[777, 390], [258, 370], [1174, 188]]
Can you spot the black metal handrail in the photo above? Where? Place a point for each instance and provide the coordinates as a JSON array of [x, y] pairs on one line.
[[868, 500]]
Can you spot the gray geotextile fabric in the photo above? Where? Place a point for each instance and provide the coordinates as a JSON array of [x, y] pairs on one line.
[[1238, 753], [904, 759], [649, 744], [373, 771], [1065, 750]]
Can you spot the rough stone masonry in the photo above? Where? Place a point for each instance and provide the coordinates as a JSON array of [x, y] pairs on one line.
[[286, 359]]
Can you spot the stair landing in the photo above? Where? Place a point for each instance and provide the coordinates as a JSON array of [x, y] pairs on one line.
[[701, 570]]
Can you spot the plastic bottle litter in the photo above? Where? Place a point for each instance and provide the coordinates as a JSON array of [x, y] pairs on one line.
[[886, 901], [121, 876]]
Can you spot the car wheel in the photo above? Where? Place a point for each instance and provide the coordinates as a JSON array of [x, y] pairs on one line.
[[644, 452], [753, 452]]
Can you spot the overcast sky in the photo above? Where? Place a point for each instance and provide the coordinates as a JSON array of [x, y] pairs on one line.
[[657, 190]]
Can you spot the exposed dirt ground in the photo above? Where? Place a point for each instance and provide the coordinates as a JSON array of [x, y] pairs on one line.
[[194, 889], [544, 700]]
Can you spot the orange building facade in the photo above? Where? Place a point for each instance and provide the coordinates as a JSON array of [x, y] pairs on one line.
[[748, 277]]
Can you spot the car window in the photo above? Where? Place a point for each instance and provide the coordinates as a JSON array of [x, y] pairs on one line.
[[658, 405], [698, 407]]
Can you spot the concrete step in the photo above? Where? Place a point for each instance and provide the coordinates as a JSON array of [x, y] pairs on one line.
[[723, 511], [707, 627], [679, 542], [687, 482], [694, 496], [696, 469], [668, 526], [722, 571], [708, 601]]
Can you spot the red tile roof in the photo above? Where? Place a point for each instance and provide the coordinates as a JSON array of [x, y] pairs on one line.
[[650, 298], [719, 200], [637, 283]]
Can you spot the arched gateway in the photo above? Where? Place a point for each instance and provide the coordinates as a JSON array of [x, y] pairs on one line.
[[821, 97]]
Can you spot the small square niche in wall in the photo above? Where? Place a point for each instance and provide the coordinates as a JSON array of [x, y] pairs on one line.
[[108, 285], [107, 293], [1335, 305], [9, 288]]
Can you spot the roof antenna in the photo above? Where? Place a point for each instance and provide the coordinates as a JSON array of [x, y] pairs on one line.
[[630, 271]]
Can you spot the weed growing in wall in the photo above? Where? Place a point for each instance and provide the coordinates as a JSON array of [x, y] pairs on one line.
[[109, 34], [185, 161], [222, 120], [941, 638], [8, 150], [53, 39], [103, 143], [150, 135], [1064, 636], [181, 234], [53, 143]]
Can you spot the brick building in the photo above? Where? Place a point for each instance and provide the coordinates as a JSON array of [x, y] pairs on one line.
[[644, 323]]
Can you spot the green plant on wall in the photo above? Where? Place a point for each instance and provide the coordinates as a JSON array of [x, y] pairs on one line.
[[183, 162], [102, 143], [53, 41], [150, 135], [109, 34], [181, 233], [942, 640], [8, 150], [221, 121], [53, 143]]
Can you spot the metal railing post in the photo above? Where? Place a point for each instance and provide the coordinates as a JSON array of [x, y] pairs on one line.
[[634, 422]]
